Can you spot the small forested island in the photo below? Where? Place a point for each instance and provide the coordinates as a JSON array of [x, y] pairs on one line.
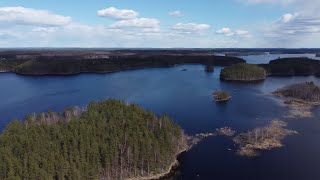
[[107, 140], [221, 96], [243, 72]]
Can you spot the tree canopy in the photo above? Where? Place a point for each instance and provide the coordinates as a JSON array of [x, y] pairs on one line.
[[108, 139], [243, 72]]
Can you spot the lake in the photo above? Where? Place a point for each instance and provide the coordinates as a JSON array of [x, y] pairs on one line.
[[185, 96]]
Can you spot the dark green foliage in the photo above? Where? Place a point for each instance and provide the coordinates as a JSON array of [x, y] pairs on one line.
[[307, 91], [109, 140], [74, 65], [293, 67], [243, 72], [9, 65]]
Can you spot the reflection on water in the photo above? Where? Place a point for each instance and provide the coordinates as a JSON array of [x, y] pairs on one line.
[[185, 95]]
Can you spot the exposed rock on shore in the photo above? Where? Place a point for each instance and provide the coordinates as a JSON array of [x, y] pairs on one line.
[[226, 131]]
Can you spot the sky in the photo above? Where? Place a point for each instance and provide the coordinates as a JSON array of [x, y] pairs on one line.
[[160, 23]]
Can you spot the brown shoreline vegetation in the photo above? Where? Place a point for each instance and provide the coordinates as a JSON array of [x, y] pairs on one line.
[[263, 138], [221, 96], [226, 131], [299, 108], [300, 99]]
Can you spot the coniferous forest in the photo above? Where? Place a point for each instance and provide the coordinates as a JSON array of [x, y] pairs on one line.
[[106, 140]]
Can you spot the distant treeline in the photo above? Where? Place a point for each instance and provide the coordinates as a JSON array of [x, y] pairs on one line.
[[293, 67], [64, 66], [107, 140]]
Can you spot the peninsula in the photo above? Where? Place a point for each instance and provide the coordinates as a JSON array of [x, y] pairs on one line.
[[106, 140]]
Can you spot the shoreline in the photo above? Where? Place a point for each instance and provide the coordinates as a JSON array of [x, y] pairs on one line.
[[223, 100], [171, 169], [191, 142]]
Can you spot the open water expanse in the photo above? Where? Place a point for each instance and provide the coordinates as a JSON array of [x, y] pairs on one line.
[[185, 96]]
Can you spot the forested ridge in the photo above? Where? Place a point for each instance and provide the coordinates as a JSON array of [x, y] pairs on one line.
[[107, 140], [75, 65]]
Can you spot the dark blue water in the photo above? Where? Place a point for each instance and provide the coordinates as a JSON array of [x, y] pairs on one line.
[[185, 95]]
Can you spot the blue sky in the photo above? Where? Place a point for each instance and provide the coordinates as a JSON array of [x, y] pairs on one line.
[[165, 23]]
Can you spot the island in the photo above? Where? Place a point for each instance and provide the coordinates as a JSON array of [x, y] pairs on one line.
[[262, 138], [221, 96], [243, 72], [300, 98], [108, 139], [292, 67], [308, 92], [69, 62], [318, 55]]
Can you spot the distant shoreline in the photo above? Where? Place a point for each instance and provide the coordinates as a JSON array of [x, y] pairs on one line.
[[39, 65]]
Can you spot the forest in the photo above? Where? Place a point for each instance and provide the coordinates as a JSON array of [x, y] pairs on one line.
[[243, 72], [292, 67], [106, 140], [61, 65]]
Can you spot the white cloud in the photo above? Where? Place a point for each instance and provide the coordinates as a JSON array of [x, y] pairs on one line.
[[228, 32], [286, 18], [225, 31], [285, 2], [298, 29], [190, 27], [148, 23], [119, 14], [27, 16], [128, 32], [45, 29], [176, 13], [292, 28], [243, 33]]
